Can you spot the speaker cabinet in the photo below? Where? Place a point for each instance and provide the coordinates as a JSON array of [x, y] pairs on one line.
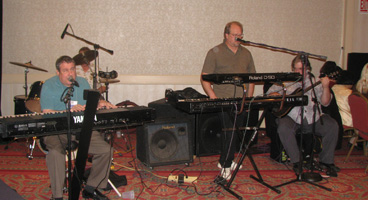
[[164, 143], [208, 134], [209, 131]]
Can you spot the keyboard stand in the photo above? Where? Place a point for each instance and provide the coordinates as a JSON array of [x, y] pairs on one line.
[[227, 185]]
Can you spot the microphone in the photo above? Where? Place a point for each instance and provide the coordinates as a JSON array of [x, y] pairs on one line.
[[240, 40], [63, 34], [74, 82], [310, 74]]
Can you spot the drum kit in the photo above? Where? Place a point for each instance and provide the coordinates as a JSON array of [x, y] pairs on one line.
[[30, 103]]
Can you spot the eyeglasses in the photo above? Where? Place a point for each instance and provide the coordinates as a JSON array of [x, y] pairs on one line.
[[237, 35]]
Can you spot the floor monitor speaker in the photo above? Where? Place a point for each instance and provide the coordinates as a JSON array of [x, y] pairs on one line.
[[164, 143]]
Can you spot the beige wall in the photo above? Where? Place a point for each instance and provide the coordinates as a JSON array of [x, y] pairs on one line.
[[355, 30], [162, 44]]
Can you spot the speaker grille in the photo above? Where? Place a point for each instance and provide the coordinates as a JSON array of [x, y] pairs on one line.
[[164, 143]]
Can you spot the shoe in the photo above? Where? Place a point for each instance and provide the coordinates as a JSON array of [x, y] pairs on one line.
[[233, 166], [226, 173], [331, 169], [96, 195], [331, 166], [331, 173]]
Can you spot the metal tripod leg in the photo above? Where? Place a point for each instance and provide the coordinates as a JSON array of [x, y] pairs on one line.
[[31, 147], [260, 179], [113, 186]]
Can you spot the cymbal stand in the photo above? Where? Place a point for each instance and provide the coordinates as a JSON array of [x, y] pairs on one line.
[[107, 89], [240, 161], [25, 81], [31, 148], [96, 47]]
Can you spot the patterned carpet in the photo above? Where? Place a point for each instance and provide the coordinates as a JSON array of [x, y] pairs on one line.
[[29, 178]]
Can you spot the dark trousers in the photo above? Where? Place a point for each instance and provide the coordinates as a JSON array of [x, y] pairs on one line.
[[287, 129], [55, 160], [230, 123]]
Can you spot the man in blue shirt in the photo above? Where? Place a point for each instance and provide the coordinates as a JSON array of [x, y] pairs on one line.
[[102, 152]]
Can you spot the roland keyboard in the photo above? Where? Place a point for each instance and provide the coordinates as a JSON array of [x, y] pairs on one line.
[[43, 124], [241, 78]]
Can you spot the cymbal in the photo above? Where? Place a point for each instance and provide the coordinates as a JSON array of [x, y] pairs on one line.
[[28, 65], [85, 57], [103, 80]]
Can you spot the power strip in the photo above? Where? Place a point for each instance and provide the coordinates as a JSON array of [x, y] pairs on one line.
[[181, 178]]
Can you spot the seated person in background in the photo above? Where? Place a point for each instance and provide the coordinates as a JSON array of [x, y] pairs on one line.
[[342, 93], [362, 84], [86, 71], [102, 152], [335, 73], [342, 89], [291, 123]]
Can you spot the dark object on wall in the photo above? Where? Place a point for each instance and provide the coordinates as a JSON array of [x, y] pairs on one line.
[[356, 62], [164, 143]]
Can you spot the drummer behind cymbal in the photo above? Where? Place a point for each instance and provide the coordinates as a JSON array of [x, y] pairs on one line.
[[84, 59]]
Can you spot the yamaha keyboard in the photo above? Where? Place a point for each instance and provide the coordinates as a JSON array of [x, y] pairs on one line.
[[43, 124], [204, 105]]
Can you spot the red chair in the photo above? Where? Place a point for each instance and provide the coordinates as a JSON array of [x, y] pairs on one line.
[[359, 113]]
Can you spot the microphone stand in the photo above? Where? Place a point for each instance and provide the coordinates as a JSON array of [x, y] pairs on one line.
[[96, 47], [300, 175], [313, 176], [319, 57], [66, 100]]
